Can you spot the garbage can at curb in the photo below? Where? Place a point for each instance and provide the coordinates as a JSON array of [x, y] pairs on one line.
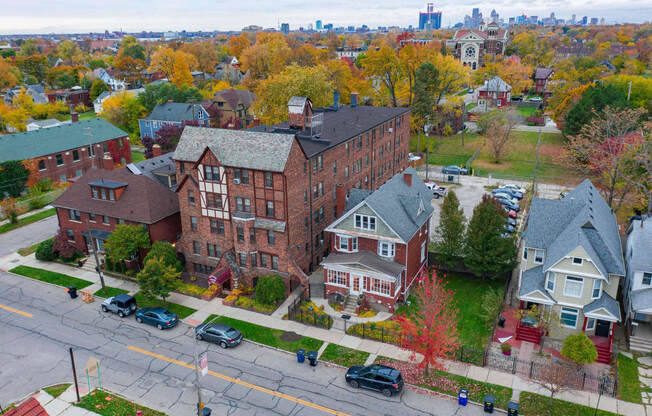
[[489, 403], [312, 357], [463, 397], [301, 355], [72, 291], [512, 409]]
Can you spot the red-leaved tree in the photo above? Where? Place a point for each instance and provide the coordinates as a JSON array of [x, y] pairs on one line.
[[432, 330], [62, 246]]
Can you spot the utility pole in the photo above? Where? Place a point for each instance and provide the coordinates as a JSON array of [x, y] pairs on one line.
[[536, 163], [74, 373], [629, 90], [97, 261], [427, 148], [200, 405]]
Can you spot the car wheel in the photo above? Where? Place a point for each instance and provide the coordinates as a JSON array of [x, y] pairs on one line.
[[121, 314], [159, 326], [223, 344], [436, 196], [199, 337], [387, 393], [139, 320], [354, 384], [104, 309]]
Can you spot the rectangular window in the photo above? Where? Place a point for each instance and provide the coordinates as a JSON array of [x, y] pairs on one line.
[[573, 286], [348, 243], [71, 235], [274, 262], [321, 188], [315, 192], [59, 159], [365, 222], [380, 286], [212, 173], [321, 213], [103, 193], [550, 282], [121, 221], [524, 253], [105, 220], [213, 200], [334, 167], [195, 247], [182, 167], [252, 235], [577, 260], [193, 223], [647, 279], [337, 278], [95, 193], [242, 204], [386, 249], [75, 155], [597, 289], [191, 197], [346, 172], [590, 324], [320, 162], [241, 176], [538, 256], [253, 258], [79, 172], [74, 215], [263, 260], [105, 147], [213, 250], [424, 250], [243, 259], [111, 195], [217, 227], [41, 165], [91, 217], [568, 317], [240, 232], [270, 237], [269, 180]]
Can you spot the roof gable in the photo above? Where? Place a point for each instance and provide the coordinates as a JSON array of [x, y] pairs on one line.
[[178, 112]]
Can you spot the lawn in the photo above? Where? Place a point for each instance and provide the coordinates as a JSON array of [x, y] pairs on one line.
[[273, 337], [50, 277], [56, 390], [526, 111], [107, 404], [249, 303], [137, 156], [346, 357], [26, 251], [182, 311], [629, 386], [109, 292], [446, 151], [473, 331], [27, 220], [536, 404]]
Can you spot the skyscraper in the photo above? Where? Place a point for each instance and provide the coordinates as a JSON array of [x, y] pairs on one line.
[[285, 28], [476, 17], [431, 19], [318, 25]]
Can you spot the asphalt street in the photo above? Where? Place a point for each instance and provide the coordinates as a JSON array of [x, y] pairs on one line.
[[38, 322], [28, 235]]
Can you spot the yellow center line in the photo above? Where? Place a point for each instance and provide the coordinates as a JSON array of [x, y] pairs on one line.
[[242, 383], [10, 309]]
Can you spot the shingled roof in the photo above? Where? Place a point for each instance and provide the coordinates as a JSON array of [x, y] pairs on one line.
[[174, 112], [37, 143], [239, 148], [144, 200]]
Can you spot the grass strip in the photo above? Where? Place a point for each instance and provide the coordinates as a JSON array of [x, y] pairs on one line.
[[56, 390], [109, 291], [346, 357], [50, 277], [26, 251], [27, 220], [107, 404], [536, 404], [182, 311], [629, 387]]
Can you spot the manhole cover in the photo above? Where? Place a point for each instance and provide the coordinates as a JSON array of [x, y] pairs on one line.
[[290, 337]]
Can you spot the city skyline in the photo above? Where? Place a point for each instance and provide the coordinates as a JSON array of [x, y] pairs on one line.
[[31, 16]]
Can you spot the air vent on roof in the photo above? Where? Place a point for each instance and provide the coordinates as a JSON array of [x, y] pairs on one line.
[[134, 169]]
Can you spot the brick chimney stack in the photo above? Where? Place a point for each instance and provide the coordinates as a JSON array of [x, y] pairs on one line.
[[407, 178], [107, 161], [74, 116], [354, 99], [156, 150], [340, 199]]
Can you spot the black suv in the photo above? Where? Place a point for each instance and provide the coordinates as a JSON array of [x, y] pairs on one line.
[[385, 379]]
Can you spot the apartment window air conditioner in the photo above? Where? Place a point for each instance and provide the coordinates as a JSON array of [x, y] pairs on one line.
[[236, 181]]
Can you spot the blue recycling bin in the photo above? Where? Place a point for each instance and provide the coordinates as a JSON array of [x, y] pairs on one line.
[[463, 397], [301, 355]]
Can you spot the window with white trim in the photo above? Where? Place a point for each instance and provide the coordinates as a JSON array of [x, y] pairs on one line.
[[573, 286], [550, 282], [381, 286], [386, 249], [647, 279], [423, 251], [538, 256], [577, 261], [337, 278], [590, 324], [597, 289], [568, 317], [348, 243], [365, 222], [524, 253]]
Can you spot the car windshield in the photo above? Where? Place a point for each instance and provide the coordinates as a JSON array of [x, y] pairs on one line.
[[232, 333]]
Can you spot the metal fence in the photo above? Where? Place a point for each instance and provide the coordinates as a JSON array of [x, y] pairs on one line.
[[307, 316]]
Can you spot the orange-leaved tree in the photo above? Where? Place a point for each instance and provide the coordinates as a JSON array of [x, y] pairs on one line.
[[432, 330]]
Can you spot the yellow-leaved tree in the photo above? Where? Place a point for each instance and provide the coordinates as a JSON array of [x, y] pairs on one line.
[[9, 74], [181, 75]]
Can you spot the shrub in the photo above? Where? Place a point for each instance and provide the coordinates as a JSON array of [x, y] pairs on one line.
[[580, 349], [192, 290], [166, 252], [61, 245], [270, 289], [45, 251], [505, 347], [386, 331]]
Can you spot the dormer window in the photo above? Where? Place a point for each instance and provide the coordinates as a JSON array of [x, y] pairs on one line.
[[365, 222], [538, 256], [577, 261], [647, 279]]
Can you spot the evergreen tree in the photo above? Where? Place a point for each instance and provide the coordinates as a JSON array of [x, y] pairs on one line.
[[488, 253], [450, 241], [593, 101], [424, 96]]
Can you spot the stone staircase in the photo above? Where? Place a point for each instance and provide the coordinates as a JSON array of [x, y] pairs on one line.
[[89, 264], [350, 305], [640, 344]]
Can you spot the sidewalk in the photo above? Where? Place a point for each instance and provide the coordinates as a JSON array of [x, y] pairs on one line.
[[333, 336], [64, 404], [27, 214]]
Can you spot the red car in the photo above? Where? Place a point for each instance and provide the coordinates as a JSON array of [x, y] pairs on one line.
[[512, 214]]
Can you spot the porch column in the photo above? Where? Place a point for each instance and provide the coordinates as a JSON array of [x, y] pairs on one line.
[[612, 326], [584, 326]]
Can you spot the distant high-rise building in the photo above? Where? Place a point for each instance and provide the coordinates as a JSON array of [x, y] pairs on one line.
[[521, 20], [585, 20], [594, 20], [285, 28], [350, 29], [494, 16], [512, 21], [318, 25], [573, 19], [431, 19], [328, 26]]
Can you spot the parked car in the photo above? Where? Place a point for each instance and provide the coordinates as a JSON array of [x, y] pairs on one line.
[[504, 195], [509, 204], [514, 188], [509, 228], [511, 213], [511, 221], [535, 99], [413, 158], [122, 304], [378, 377], [454, 170], [218, 333], [437, 191], [509, 192], [159, 317], [517, 98]]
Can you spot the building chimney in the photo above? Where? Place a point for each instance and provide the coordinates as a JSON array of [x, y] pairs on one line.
[[156, 150], [407, 178], [107, 161], [169, 101], [336, 100], [74, 116], [340, 199], [354, 99]]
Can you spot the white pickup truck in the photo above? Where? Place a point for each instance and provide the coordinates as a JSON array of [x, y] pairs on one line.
[[437, 191]]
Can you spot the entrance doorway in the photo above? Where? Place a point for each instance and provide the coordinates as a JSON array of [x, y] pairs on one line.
[[602, 328], [355, 284]]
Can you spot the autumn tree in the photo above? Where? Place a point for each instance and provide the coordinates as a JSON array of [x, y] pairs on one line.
[[513, 72], [158, 279], [383, 66], [555, 377], [63, 246], [205, 53], [124, 110], [452, 75], [132, 48], [266, 57], [126, 242], [449, 244], [489, 253], [237, 44], [433, 331], [129, 68], [70, 51], [97, 87], [603, 148], [181, 75], [639, 171], [9, 74], [499, 132]]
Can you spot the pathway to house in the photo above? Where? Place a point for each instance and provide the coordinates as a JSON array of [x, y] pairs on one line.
[[64, 404], [645, 377], [334, 335]]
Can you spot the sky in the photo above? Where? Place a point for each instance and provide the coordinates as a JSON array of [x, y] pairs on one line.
[[79, 16]]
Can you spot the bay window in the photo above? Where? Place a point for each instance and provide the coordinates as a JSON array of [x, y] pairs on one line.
[[386, 249]]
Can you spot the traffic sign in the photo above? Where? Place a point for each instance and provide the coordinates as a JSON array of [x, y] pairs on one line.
[[203, 363]]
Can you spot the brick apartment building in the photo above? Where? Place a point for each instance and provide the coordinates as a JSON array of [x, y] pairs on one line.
[[259, 200], [71, 96], [66, 151], [380, 240]]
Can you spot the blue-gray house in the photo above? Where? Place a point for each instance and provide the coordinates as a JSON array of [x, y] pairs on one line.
[[172, 114]]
